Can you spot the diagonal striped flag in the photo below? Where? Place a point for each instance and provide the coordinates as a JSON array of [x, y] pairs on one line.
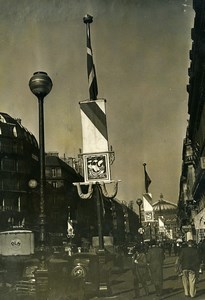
[[94, 126], [148, 208], [92, 79]]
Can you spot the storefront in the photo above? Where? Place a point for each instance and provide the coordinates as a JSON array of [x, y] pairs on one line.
[[199, 223]]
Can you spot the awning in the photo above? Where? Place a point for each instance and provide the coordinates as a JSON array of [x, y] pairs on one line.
[[199, 220]]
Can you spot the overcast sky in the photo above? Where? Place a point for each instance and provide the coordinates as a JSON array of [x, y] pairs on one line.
[[141, 53]]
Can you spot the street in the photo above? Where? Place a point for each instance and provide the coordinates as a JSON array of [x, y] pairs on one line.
[[122, 285]]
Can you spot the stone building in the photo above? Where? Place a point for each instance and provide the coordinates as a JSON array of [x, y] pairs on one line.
[[191, 202]]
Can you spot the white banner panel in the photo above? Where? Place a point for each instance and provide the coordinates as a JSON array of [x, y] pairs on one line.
[[161, 224], [94, 126], [199, 220], [147, 199], [148, 208]]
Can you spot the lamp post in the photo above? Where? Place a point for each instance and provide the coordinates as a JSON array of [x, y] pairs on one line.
[[97, 191], [40, 85], [141, 230], [139, 203]]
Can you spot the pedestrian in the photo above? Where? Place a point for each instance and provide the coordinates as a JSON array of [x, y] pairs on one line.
[[169, 248], [189, 260], [175, 249], [155, 259], [140, 271], [201, 247]]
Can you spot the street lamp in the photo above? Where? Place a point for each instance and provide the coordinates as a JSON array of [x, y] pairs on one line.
[[139, 203], [140, 230], [40, 85]]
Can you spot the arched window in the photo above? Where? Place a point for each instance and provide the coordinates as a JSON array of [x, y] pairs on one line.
[[15, 131]]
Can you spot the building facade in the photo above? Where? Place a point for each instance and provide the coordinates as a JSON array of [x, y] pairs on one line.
[[20, 195], [191, 203], [19, 163]]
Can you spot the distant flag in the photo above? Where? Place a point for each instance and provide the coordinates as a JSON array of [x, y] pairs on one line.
[[23, 222], [147, 179], [92, 79], [70, 230]]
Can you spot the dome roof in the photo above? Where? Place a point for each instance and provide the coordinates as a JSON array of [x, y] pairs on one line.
[[12, 128], [163, 205]]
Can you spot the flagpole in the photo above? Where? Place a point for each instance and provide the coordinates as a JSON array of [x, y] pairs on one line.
[[92, 79]]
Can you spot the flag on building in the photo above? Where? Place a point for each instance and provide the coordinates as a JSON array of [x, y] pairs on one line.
[[148, 208], [92, 79]]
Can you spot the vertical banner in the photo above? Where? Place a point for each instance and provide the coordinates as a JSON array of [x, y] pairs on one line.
[[94, 126], [148, 208], [161, 224]]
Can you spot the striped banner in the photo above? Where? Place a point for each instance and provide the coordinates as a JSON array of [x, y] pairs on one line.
[[161, 224], [148, 208], [94, 126]]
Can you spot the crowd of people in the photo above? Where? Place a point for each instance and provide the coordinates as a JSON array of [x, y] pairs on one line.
[[148, 260]]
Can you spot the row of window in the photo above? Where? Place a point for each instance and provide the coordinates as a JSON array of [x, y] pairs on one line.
[[8, 146], [12, 165], [11, 184], [53, 172], [8, 203], [16, 184], [56, 184], [12, 147]]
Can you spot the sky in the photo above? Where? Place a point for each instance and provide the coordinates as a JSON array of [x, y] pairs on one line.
[[141, 54]]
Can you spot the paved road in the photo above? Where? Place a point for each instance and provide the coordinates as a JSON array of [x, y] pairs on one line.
[[122, 285]]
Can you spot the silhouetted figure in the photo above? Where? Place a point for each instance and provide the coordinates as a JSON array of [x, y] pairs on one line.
[[175, 249], [155, 259], [140, 272], [189, 261], [201, 247]]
